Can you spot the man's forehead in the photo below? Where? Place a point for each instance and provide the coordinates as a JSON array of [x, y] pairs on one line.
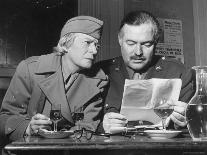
[[138, 32], [145, 27]]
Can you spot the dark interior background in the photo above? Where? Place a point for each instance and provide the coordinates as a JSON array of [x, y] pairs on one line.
[[31, 27]]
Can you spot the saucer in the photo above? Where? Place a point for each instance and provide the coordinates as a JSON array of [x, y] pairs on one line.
[[162, 134], [115, 130], [148, 127], [54, 135]]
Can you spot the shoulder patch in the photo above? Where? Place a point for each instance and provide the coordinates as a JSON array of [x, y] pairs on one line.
[[109, 64], [111, 61], [172, 60], [31, 59]]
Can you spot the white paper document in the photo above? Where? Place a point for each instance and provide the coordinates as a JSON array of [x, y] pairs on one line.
[[138, 97]]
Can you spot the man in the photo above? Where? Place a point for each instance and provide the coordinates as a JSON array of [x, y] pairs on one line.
[[138, 36], [64, 77]]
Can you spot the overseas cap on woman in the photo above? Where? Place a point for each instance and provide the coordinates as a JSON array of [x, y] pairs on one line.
[[83, 24]]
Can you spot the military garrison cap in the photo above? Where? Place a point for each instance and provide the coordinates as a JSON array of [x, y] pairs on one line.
[[83, 24]]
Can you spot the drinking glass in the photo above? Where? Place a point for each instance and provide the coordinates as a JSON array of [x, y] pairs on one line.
[[78, 116], [55, 115], [163, 109]]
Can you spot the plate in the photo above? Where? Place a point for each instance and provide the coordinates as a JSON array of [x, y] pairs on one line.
[[51, 134], [162, 134], [115, 130], [148, 127]]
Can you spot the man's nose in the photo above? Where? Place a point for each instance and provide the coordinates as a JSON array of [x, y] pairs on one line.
[[138, 49]]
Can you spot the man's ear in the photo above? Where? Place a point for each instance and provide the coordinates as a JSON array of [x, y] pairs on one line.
[[120, 39]]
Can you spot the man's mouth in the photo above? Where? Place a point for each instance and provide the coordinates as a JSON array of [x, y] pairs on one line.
[[138, 59]]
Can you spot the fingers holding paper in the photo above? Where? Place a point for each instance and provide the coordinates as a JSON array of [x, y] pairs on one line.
[[113, 119], [178, 115]]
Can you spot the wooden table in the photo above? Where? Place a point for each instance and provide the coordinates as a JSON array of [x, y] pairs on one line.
[[115, 145]]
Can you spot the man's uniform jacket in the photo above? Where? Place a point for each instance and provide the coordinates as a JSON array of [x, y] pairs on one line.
[[39, 80], [161, 67]]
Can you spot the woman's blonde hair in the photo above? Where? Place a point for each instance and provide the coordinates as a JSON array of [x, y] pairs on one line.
[[65, 43]]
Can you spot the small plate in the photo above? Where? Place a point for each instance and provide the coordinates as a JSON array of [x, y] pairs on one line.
[[148, 127], [162, 134], [115, 130], [51, 134]]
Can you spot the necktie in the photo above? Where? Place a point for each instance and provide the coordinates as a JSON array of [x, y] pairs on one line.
[[69, 81], [136, 76]]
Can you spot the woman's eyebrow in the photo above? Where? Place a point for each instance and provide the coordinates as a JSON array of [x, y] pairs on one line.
[[91, 40]]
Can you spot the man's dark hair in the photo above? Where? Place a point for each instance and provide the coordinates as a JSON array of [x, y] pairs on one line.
[[141, 17]]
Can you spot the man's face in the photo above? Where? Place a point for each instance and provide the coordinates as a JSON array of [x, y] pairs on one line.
[[83, 51], [137, 45]]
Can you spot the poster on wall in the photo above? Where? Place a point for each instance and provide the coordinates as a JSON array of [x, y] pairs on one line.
[[171, 39]]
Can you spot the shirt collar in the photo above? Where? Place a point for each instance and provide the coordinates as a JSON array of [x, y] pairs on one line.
[[131, 73], [66, 69]]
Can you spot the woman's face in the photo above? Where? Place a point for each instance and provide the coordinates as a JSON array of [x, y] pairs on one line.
[[82, 52]]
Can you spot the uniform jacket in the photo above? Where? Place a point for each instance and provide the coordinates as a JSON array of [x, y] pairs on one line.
[[38, 80], [161, 68]]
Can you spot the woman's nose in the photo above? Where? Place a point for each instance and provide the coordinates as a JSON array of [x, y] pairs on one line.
[[93, 48]]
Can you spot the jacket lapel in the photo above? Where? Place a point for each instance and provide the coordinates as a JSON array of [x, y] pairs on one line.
[[54, 90], [120, 66], [52, 86], [82, 90]]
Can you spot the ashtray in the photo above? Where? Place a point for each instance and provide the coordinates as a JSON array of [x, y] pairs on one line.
[[52, 134], [162, 134]]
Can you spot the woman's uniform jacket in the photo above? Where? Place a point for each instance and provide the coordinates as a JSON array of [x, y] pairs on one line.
[[160, 68], [38, 80]]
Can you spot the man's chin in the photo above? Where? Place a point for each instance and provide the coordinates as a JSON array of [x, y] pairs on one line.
[[137, 66]]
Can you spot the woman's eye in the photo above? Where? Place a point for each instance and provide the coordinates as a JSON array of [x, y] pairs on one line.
[[88, 42]]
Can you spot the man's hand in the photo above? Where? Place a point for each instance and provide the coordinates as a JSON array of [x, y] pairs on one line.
[[37, 122], [178, 115], [112, 119]]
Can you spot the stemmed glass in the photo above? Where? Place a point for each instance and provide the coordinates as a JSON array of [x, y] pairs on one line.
[[163, 109], [55, 115], [78, 116]]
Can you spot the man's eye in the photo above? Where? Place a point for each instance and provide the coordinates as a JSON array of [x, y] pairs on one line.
[[148, 44], [130, 43]]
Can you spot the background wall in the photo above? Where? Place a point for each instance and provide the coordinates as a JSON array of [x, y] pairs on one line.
[[112, 11], [31, 27], [200, 31], [172, 9], [192, 13], [28, 28]]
